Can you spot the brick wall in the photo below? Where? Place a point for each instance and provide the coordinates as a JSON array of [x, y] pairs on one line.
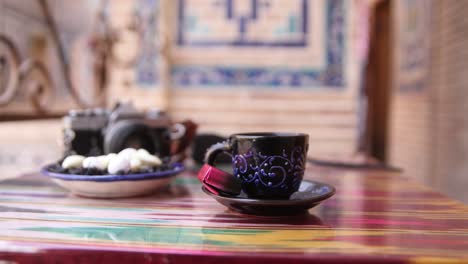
[[450, 96], [330, 120], [429, 129]]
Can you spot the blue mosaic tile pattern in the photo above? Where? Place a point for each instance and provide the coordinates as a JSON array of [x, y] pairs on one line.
[[413, 47], [292, 29], [330, 76], [146, 65]]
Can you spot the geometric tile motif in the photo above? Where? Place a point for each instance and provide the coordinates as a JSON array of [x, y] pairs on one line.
[[414, 49], [146, 64], [243, 23], [331, 75]]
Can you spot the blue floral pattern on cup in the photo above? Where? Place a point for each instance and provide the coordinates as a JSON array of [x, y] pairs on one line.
[[270, 172]]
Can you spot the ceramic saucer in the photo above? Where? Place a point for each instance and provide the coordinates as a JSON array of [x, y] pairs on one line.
[[114, 186], [309, 195]]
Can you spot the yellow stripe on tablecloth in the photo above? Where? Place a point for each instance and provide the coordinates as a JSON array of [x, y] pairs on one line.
[[437, 260], [415, 255]]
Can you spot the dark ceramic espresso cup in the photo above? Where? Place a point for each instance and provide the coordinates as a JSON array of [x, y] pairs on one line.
[[268, 165]]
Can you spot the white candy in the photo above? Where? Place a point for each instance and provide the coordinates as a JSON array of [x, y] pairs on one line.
[[148, 159], [119, 163], [90, 162], [99, 163], [73, 161], [105, 159], [142, 152], [127, 153], [127, 160], [135, 164]]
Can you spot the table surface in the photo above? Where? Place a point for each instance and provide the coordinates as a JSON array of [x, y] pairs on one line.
[[375, 216]]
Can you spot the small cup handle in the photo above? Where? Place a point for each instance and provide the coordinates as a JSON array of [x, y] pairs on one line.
[[215, 150], [214, 179]]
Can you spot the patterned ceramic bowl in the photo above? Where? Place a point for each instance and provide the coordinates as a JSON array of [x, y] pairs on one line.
[[114, 186]]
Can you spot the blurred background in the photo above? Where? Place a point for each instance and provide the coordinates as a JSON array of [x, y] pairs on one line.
[[378, 80]]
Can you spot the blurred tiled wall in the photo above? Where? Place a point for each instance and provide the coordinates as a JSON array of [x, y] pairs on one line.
[[230, 65], [253, 65]]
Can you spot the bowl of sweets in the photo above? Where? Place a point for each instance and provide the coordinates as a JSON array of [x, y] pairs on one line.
[[131, 172]]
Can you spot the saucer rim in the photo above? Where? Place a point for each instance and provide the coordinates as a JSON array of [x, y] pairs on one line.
[[177, 168], [271, 202]]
